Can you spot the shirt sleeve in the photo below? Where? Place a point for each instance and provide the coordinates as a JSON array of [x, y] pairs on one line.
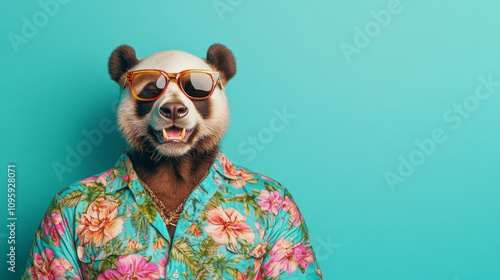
[[291, 255], [53, 254]]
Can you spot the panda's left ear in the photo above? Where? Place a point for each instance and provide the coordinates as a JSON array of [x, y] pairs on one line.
[[222, 59], [120, 61]]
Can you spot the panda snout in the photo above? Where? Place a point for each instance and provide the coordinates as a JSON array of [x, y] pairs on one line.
[[173, 110]]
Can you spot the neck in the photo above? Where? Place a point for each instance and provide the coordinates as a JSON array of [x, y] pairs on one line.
[[172, 179]]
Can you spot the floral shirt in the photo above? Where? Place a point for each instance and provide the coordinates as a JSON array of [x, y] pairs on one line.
[[235, 225]]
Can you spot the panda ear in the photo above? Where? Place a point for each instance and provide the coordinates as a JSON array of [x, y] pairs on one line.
[[120, 61], [222, 59]]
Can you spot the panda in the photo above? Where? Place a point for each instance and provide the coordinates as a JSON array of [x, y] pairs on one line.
[[178, 164], [173, 206]]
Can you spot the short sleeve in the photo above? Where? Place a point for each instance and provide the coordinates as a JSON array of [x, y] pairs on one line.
[[291, 255], [53, 254]]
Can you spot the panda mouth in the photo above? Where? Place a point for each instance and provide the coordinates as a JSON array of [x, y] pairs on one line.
[[174, 134]]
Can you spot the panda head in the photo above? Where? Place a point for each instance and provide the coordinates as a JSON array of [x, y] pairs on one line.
[[173, 125]]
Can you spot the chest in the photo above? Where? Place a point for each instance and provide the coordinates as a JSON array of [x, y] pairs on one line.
[[169, 202], [141, 244]]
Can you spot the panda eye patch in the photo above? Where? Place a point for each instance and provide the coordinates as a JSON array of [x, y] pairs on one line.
[[148, 85], [150, 91]]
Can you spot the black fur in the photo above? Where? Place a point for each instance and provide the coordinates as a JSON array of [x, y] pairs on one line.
[[121, 60], [142, 108], [203, 107], [222, 59]]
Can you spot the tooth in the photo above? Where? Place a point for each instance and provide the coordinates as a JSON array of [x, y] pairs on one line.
[[183, 133], [165, 135]]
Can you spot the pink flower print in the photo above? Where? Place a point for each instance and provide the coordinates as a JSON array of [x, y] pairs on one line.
[[131, 267], [239, 176], [259, 249], [257, 269], [265, 177], [162, 266], [261, 230], [47, 267], [53, 226], [291, 207], [103, 178], [285, 257], [100, 224], [226, 225], [270, 201]]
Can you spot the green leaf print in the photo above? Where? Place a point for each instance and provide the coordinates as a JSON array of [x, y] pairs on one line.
[[183, 252], [253, 181], [270, 188], [208, 248], [219, 264], [212, 204], [148, 209], [108, 263], [139, 221], [71, 199]]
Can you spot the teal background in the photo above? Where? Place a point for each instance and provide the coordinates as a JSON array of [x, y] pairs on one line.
[[353, 120]]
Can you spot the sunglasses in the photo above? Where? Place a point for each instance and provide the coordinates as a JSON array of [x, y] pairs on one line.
[[148, 85]]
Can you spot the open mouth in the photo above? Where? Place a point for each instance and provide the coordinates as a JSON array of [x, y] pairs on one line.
[[174, 134]]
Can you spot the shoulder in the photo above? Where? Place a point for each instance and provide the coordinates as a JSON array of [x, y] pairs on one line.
[[262, 181], [75, 193], [244, 179]]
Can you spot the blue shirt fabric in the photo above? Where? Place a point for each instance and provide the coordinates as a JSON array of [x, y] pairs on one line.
[[236, 224]]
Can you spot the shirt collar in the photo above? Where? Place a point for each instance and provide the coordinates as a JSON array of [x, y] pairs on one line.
[[123, 174]]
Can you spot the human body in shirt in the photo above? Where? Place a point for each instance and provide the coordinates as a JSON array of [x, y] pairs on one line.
[[121, 224]]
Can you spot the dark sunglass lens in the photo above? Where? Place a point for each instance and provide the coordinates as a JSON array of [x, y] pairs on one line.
[[148, 85], [197, 85]]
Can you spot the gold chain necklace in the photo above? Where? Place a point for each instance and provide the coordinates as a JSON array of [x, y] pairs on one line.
[[169, 217]]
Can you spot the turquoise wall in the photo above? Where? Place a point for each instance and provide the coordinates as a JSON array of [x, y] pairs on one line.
[[390, 146]]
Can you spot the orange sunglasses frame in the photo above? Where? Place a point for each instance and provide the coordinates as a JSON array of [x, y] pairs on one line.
[[216, 79]]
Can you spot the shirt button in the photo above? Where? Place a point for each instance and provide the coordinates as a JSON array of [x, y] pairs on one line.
[[175, 275]]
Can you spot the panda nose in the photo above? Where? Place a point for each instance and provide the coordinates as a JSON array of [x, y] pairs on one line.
[[173, 110]]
